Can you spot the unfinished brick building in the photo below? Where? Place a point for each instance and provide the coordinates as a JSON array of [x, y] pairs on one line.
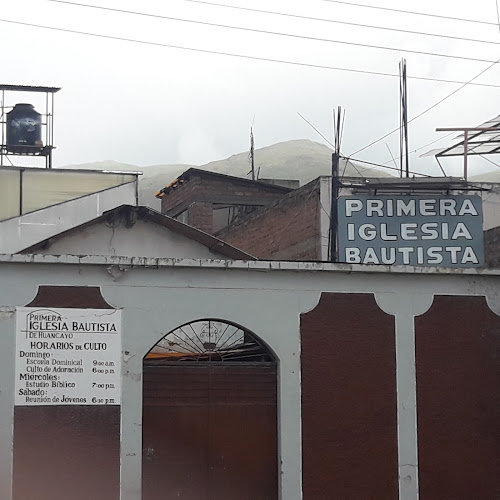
[[272, 219], [210, 201], [287, 222], [290, 228]]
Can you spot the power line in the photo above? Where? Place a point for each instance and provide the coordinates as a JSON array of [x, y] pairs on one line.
[[316, 130], [347, 23], [498, 14], [274, 33], [429, 108], [320, 134], [401, 11], [487, 159], [243, 56], [348, 158], [423, 147]]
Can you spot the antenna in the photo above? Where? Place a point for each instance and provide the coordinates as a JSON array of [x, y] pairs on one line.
[[336, 184], [403, 121], [251, 155]]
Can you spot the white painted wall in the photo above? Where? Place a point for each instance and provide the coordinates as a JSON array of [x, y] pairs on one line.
[[21, 232], [158, 295], [491, 205], [143, 239], [26, 189]]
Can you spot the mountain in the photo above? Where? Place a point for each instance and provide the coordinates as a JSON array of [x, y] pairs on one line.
[[298, 159], [492, 176]]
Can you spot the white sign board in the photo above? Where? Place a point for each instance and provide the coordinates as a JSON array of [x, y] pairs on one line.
[[68, 356]]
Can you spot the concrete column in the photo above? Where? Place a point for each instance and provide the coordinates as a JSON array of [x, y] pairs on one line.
[[289, 413], [131, 427], [405, 306], [7, 334]]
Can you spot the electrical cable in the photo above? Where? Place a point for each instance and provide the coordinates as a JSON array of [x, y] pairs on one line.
[[347, 23], [487, 159], [296, 16], [316, 130], [498, 14], [381, 166], [422, 147], [401, 11], [244, 56], [429, 108], [275, 33]]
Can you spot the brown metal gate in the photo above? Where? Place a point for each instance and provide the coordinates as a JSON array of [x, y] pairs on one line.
[[210, 431]]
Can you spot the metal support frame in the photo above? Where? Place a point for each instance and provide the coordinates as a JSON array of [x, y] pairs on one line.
[[2, 119], [467, 143], [47, 122]]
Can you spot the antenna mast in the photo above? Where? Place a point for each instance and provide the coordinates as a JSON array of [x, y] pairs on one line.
[[403, 121], [251, 155], [336, 185]]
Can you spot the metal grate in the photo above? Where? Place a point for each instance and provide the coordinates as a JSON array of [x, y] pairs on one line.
[[208, 341]]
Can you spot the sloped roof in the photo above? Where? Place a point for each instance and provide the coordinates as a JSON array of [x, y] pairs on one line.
[[134, 213]]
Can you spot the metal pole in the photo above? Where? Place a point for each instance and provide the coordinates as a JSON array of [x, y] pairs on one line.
[[466, 147], [335, 185], [51, 129], [21, 171], [46, 118], [401, 155], [252, 154], [405, 118], [334, 208], [3, 127]]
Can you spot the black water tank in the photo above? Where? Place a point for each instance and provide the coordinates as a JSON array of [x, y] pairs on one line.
[[24, 128]]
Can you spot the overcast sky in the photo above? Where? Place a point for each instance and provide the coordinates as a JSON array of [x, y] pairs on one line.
[[145, 104]]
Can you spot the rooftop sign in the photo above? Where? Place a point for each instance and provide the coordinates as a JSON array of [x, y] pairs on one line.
[[444, 231]]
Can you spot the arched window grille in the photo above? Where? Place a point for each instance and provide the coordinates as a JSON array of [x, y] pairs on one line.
[[209, 341]]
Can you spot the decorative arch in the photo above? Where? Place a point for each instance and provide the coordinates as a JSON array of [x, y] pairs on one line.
[[208, 341]]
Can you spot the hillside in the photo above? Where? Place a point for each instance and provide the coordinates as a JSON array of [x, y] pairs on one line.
[[493, 176], [298, 159]]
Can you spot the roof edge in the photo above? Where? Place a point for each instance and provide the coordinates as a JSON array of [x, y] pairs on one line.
[[193, 170], [259, 265], [213, 243]]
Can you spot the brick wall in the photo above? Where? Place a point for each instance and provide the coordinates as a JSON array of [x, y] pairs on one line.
[[288, 229], [201, 190], [207, 187], [178, 196], [200, 216]]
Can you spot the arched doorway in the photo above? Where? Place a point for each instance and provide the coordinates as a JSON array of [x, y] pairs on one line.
[[210, 415]]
